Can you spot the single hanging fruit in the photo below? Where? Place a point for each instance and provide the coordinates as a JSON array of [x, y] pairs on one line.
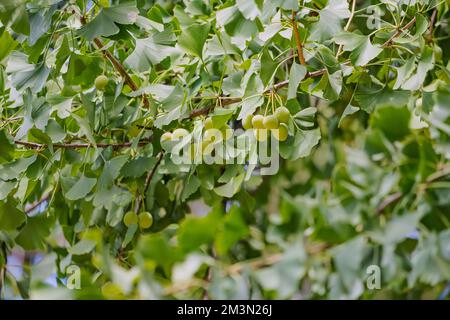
[[145, 220], [283, 114], [270, 122], [130, 218], [101, 82]]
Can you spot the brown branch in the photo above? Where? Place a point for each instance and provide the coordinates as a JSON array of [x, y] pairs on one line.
[[148, 180], [33, 145], [117, 65], [229, 100], [399, 32], [37, 203], [298, 42], [431, 26], [391, 199]]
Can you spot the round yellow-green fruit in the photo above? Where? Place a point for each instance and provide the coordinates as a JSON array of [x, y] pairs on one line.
[[112, 291], [212, 135], [179, 134], [270, 122], [260, 134], [208, 123], [101, 82], [145, 220], [166, 136], [283, 114], [258, 122], [281, 134], [130, 218], [247, 122]]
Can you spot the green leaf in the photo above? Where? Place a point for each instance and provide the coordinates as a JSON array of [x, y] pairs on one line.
[[248, 8], [147, 53], [330, 22], [362, 50], [296, 75], [252, 97], [40, 23], [10, 217], [7, 44], [14, 13], [196, 231], [370, 98], [81, 188], [268, 67], [349, 110], [193, 38], [6, 147], [393, 121], [104, 24], [82, 247], [284, 276], [229, 189], [233, 229], [301, 145], [191, 186], [33, 235], [25, 75]]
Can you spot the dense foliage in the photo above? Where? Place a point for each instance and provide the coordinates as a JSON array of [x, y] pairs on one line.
[[93, 94]]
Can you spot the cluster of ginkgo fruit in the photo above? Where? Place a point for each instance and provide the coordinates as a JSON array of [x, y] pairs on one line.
[[212, 133], [275, 123], [144, 219]]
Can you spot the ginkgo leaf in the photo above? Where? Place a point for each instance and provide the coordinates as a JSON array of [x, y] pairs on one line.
[[330, 21], [147, 53], [81, 188], [193, 38], [104, 24], [362, 50]]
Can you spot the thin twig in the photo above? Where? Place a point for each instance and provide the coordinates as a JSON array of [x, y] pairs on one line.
[[352, 14], [117, 65], [34, 145], [148, 180], [393, 198], [399, 32], [432, 22], [298, 42], [36, 204]]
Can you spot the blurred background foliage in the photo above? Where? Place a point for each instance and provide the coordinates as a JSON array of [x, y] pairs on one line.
[[369, 183]]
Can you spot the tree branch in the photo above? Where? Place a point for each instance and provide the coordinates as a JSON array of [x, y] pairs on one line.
[[37, 203], [33, 145], [298, 42], [393, 198], [399, 32], [229, 100], [148, 180], [352, 14], [117, 65]]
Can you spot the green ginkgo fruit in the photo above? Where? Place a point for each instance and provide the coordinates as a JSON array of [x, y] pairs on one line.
[[270, 122], [101, 82], [282, 133], [247, 122], [283, 114], [179, 134], [145, 220], [166, 136], [130, 218], [258, 122]]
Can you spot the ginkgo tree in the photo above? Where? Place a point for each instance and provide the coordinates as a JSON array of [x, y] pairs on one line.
[[97, 99]]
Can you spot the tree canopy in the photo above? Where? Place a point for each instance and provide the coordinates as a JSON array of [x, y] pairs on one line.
[[95, 97]]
